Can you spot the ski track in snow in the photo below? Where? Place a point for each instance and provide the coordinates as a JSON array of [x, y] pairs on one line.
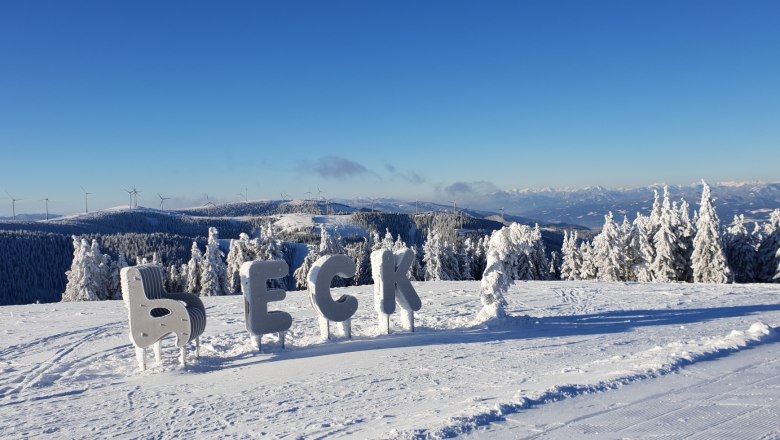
[[69, 370]]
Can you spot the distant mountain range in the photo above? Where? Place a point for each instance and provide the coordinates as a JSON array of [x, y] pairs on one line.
[[562, 208], [587, 206]]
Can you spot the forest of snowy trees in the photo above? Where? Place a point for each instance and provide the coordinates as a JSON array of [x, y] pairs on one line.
[[669, 246]]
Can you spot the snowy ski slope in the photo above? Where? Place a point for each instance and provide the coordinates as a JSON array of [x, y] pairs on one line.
[[68, 369]]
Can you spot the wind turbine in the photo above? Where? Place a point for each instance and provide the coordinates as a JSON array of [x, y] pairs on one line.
[[13, 205], [320, 195], [209, 205], [135, 194], [86, 200], [502, 215], [454, 206], [210, 208], [416, 201], [244, 194], [284, 196], [47, 206], [162, 200], [131, 198], [372, 203]]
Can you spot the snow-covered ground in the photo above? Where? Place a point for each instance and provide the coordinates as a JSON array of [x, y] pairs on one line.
[[727, 398], [69, 370]]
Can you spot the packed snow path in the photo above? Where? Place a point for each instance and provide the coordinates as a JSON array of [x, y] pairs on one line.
[[728, 398], [69, 368]]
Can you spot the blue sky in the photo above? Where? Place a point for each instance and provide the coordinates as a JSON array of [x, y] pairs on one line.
[[369, 98]]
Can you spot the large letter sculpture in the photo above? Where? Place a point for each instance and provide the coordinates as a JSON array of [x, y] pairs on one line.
[[257, 295], [341, 310], [391, 285]]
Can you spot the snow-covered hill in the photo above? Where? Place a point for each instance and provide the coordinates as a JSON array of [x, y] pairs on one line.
[[68, 370]]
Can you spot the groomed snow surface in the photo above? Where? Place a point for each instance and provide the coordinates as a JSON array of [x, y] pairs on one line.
[[68, 370]]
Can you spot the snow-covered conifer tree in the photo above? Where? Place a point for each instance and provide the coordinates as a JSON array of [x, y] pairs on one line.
[[626, 243], [709, 263], [506, 247], [588, 268], [608, 255], [538, 255], [739, 250], [642, 251], [80, 287], [769, 244], [569, 262], [555, 266], [213, 271], [669, 259], [238, 254], [172, 281], [432, 255], [193, 269], [685, 233]]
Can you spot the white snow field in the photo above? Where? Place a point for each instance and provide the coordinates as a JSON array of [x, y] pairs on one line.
[[69, 371]]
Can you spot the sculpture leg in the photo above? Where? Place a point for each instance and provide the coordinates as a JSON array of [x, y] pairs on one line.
[[346, 328], [324, 328], [407, 320], [182, 359], [258, 344], [197, 348], [157, 348], [384, 324], [140, 355], [281, 338]]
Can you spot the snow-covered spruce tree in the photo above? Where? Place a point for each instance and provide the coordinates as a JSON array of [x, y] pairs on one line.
[[708, 260], [685, 233], [102, 265], [555, 266], [509, 248], [608, 254], [172, 281], [432, 253], [213, 271], [642, 252], [80, 286], [466, 254], [669, 258], [270, 248], [769, 244], [655, 215], [502, 250], [626, 237], [387, 241], [570, 263], [739, 250], [538, 255], [238, 254], [193, 269], [375, 241], [360, 253], [399, 244], [418, 271], [588, 269], [302, 272]]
